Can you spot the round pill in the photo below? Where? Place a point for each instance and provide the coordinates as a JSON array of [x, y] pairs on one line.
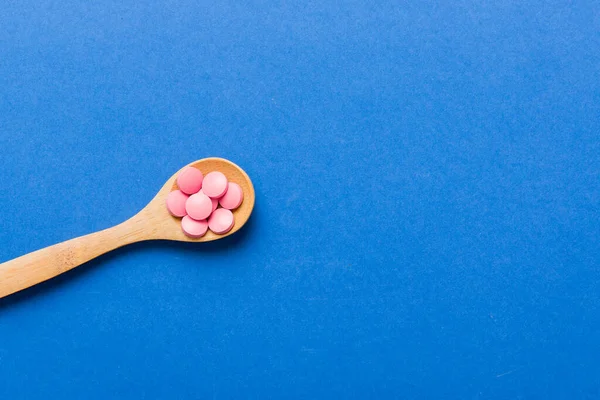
[[193, 228], [176, 203], [198, 206], [221, 221], [190, 180], [214, 184], [215, 202], [233, 197]]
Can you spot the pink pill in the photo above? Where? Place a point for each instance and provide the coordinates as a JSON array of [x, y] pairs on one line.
[[198, 206], [193, 228], [233, 197], [221, 221], [214, 184], [190, 180], [215, 202], [176, 203]]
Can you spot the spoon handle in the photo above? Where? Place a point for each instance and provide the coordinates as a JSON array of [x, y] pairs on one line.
[[41, 265]]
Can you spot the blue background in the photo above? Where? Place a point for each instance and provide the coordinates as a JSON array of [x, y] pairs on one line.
[[428, 185]]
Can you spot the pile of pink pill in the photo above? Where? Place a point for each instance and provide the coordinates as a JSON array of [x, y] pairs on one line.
[[204, 202]]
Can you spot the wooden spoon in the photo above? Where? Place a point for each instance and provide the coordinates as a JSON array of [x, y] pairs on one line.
[[152, 223]]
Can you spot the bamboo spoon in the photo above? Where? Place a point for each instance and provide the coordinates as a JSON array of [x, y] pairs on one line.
[[152, 223]]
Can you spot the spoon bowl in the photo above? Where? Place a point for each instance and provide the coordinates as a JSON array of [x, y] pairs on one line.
[[161, 225], [153, 222]]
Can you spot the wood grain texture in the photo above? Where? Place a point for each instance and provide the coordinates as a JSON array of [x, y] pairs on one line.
[[152, 223]]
